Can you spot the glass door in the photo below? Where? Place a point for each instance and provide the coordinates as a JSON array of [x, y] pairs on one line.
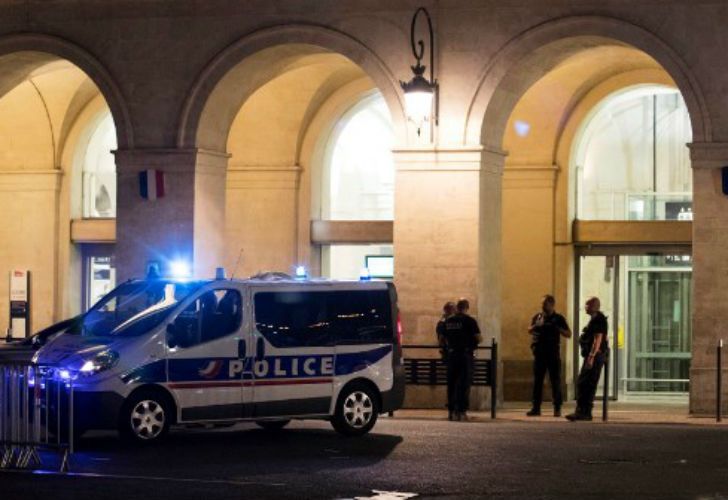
[[99, 273], [647, 301], [658, 354]]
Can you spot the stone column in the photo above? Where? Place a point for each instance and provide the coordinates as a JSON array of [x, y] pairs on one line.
[[435, 234], [187, 223], [527, 267], [490, 236], [30, 240], [710, 274], [446, 244]]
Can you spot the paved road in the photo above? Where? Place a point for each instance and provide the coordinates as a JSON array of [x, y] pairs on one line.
[[434, 459]]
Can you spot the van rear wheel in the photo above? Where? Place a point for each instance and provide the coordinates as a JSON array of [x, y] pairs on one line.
[[357, 410], [272, 425], [145, 417]]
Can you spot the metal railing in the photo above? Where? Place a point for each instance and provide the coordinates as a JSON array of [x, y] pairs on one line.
[[433, 370], [36, 414]]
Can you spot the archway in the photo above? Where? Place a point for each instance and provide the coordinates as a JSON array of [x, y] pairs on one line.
[[272, 101], [532, 99], [48, 86]]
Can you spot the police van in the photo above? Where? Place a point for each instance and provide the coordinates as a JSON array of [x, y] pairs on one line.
[[158, 352]]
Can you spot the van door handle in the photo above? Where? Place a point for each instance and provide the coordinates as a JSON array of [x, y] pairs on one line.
[[260, 349], [242, 349]]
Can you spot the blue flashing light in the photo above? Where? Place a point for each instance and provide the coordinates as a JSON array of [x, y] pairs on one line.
[[365, 274], [301, 273], [64, 374], [180, 269]]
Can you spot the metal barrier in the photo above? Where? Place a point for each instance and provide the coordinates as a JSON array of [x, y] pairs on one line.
[[36, 413], [433, 371]]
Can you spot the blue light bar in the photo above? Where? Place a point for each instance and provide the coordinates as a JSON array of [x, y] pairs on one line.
[[180, 269], [301, 273]]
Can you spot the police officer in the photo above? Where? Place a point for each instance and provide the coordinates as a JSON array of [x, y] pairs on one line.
[[447, 310], [593, 343], [462, 336], [547, 328]]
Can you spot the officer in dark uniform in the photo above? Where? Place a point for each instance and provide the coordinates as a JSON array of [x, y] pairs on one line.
[[447, 310], [547, 328], [593, 343], [462, 336]]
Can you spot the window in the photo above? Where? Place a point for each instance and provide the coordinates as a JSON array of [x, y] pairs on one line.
[[213, 315], [292, 319], [345, 262], [361, 317], [134, 308], [303, 319], [358, 181], [631, 159], [359, 174], [99, 171]]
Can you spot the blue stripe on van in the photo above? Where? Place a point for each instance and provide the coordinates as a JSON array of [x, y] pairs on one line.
[[274, 367]]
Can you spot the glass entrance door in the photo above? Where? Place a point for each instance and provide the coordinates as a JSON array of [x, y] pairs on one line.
[[648, 303], [99, 273], [658, 351]]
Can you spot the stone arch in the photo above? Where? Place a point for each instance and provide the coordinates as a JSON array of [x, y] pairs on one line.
[[43, 48], [528, 57], [216, 92]]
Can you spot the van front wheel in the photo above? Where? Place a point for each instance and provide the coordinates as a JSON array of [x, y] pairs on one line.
[[356, 410], [145, 417]]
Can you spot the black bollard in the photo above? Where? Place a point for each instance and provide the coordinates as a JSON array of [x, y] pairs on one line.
[[718, 382], [605, 397]]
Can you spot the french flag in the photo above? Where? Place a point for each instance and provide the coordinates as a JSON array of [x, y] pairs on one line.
[[151, 184]]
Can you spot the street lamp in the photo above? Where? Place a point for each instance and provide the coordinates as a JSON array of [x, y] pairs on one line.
[[420, 92]]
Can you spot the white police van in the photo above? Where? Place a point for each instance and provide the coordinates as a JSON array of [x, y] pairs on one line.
[[158, 352]]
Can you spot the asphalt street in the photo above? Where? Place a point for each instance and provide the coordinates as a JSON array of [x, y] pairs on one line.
[[429, 458]]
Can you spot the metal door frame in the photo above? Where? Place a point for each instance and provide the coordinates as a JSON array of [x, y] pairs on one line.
[[616, 251]]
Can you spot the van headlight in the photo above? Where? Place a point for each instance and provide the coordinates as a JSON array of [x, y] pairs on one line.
[[99, 363]]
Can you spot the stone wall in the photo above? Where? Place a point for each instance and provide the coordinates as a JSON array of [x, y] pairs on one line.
[[171, 73]]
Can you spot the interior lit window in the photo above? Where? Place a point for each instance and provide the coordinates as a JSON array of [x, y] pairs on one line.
[[358, 179], [346, 262], [99, 171], [358, 184], [632, 161]]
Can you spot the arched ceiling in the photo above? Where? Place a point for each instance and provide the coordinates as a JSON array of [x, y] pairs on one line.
[[40, 99], [270, 125], [535, 125]]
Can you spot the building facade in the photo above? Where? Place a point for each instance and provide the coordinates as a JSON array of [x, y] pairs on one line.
[[575, 149]]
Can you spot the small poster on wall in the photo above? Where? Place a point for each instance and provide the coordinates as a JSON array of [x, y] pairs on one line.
[[19, 303]]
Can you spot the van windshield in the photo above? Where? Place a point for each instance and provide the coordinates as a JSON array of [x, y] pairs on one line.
[[133, 308]]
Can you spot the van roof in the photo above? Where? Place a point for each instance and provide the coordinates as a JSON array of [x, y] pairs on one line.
[[273, 278]]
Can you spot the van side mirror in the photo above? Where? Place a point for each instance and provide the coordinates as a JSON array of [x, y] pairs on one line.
[[172, 340]]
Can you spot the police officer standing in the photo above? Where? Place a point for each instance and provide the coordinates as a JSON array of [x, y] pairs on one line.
[[593, 344], [447, 310], [547, 328], [462, 336]]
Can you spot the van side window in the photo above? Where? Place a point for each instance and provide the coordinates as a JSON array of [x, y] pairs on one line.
[[298, 319], [215, 314], [292, 319], [361, 316]]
